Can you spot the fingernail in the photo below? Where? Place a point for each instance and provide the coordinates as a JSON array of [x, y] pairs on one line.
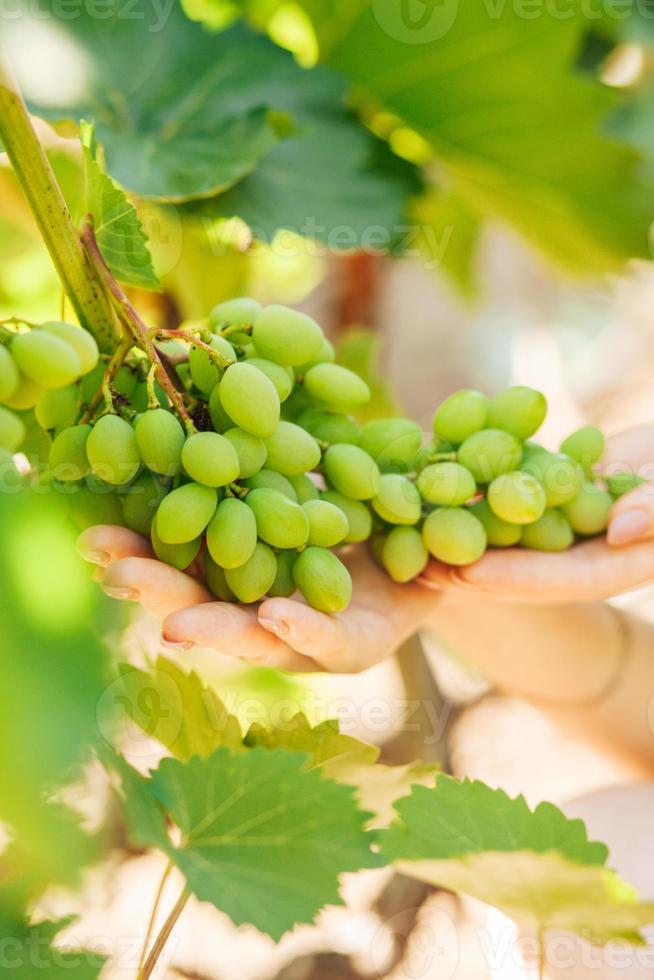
[[96, 557], [182, 645], [130, 594], [274, 626], [629, 526]]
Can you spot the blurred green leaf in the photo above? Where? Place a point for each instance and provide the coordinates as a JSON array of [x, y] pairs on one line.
[[449, 234], [26, 951], [331, 751]]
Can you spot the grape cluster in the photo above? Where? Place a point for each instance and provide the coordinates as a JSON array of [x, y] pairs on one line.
[[264, 470]]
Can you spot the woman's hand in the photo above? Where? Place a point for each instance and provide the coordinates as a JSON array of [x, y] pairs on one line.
[[283, 633], [596, 569]]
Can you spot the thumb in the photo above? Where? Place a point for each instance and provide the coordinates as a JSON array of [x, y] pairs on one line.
[[632, 517]]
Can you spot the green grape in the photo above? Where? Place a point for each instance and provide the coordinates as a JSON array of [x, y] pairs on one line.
[[250, 581], [46, 360], [232, 533], [586, 445], [270, 480], [551, 532], [358, 516], [179, 555], [160, 438], [290, 450], [183, 372], [438, 452], [588, 513], [86, 508], [404, 555], [454, 535], [328, 427], [82, 342], [377, 543], [216, 581], [398, 500], [620, 483], [392, 443], [203, 370], [558, 474], [461, 415], [286, 336], [447, 484], [326, 355], [327, 523], [250, 399], [283, 378], [250, 450], [140, 502], [184, 513], [284, 584], [305, 488], [219, 417], [336, 387], [210, 459], [140, 400], [57, 407], [25, 396], [489, 453], [280, 522], [499, 533], [323, 580], [9, 377], [12, 430], [517, 498], [352, 471], [232, 311], [298, 402], [124, 382], [112, 450], [68, 461], [518, 410]]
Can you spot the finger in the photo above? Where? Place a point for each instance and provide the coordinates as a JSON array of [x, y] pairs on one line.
[[632, 517], [234, 631], [157, 587], [632, 451], [106, 543]]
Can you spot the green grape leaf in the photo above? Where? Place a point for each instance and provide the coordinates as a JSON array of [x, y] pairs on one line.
[[448, 235], [177, 709], [379, 787], [27, 950], [335, 754], [145, 818]]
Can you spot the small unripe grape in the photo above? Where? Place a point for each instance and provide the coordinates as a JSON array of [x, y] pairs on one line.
[[68, 461], [282, 377], [232, 311], [392, 443], [160, 438], [140, 399], [589, 512], [204, 371], [398, 500], [9, 377], [271, 480], [57, 407], [179, 555], [86, 508], [250, 399], [12, 430], [558, 474], [447, 484], [284, 584], [329, 427], [251, 581], [124, 382], [518, 410], [280, 522], [358, 516], [82, 342], [305, 488], [454, 536], [336, 387], [323, 580], [251, 451], [620, 483], [291, 450], [326, 355], [551, 532], [184, 513], [462, 414], [45, 359], [219, 417], [327, 523], [489, 453], [499, 533], [25, 396], [140, 502], [517, 497], [352, 471], [112, 450], [586, 445], [232, 533], [210, 459], [216, 580], [404, 555], [286, 336]]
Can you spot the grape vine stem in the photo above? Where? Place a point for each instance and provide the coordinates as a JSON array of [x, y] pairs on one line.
[[158, 946], [153, 915]]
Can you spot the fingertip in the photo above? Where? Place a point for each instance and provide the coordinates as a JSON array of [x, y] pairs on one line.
[[104, 543]]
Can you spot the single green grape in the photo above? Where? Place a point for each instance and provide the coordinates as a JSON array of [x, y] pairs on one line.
[[518, 410], [291, 450], [250, 581], [404, 555], [86, 508], [185, 512], [219, 417], [558, 474], [179, 555], [281, 522], [586, 445], [68, 461], [284, 584], [140, 400], [589, 512], [25, 396], [45, 359], [551, 532], [398, 500], [210, 459], [298, 402], [271, 480], [241, 309], [12, 430], [251, 451], [232, 533], [305, 488], [141, 500], [160, 438], [392, 443], [499, 533], [358, 516], [112, 450], [352, 471], [328, 524], [250, 399], [326, 355], [622, 482], [286, 336], [57, 407], [489, 453], [216, 580], [517, 497], [329, 427], [336, 387], [9, 376], [454, 535], [461, 415], [124, 382], [447, 484], [323, 580], [204, 371], [82, 342], [283, 378]]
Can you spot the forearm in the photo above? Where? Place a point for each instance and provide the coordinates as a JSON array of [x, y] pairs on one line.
[[589, 667]]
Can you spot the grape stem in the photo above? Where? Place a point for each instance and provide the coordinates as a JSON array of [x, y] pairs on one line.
[[153, 401], [133, 322], [153, 915], [158, 946], [219, 359], [236, 328], [112, 367]]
